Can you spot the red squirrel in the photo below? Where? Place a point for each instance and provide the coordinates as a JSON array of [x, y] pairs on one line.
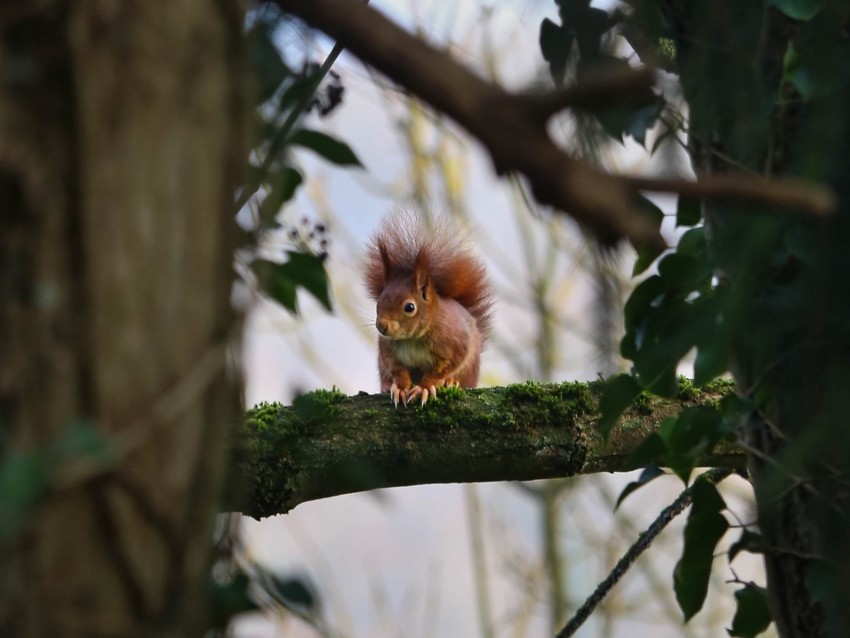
[[434, 303]]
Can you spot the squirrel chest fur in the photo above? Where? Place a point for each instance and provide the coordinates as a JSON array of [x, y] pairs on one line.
[[433, 309]]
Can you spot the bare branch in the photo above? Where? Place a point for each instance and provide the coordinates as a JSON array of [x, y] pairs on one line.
[[513, 126]]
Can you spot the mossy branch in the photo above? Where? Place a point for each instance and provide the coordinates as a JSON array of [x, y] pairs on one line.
[[328, 444]]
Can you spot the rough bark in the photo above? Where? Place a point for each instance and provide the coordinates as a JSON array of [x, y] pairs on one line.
[[329, 444], [119, 141], [791, 346]]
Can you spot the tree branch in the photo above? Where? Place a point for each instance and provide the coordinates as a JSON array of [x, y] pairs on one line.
[[513, 126], [328, 444]]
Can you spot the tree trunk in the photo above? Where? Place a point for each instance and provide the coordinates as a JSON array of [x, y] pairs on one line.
[[787, 278], [120, 140]]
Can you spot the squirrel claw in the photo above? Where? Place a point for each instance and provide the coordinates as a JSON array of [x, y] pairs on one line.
[[425, 393], [397, 393]]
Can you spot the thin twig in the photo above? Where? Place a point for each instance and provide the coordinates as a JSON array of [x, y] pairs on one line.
[[642, 543]]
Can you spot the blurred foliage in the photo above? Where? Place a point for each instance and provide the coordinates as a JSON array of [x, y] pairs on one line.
[[284, 95], [745, 290]]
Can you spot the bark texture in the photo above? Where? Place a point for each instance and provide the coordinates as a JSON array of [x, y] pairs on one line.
[[329, 444], [791, 343], [120, 126]]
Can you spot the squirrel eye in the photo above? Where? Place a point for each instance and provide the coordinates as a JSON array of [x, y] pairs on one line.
[[409, 308]]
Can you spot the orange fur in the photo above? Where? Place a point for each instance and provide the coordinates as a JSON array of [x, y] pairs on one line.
[[437, 272]]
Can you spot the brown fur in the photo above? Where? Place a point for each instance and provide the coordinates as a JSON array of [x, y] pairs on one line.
[[440, 343]]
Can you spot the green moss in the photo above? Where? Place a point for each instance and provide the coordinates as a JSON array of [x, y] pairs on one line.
[[724, 387], [666, 48], [687, 390], [319, 405], [643, 403]]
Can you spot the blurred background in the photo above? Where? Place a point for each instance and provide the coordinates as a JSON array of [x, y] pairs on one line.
[[490, 560]]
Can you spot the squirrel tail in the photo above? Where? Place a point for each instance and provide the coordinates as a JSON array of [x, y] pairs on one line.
[[402, 243]]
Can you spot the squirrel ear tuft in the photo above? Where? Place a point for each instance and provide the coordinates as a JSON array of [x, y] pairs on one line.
[[423, 283], [420, 274], [385, 258]]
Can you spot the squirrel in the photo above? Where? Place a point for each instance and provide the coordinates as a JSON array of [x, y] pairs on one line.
[[434, 308]]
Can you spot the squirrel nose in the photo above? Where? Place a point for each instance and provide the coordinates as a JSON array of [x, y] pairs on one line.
[[382, 326]]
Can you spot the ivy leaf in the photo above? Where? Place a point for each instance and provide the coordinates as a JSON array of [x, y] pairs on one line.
[[650, 473], [270, 71], [748, 542], [231, 598], [799, 9], [651, 451], [648, 252], [688, 211], [620, 393], [711, 361], [691, 435], [556, 43], [283, 186], [281, 281], [328, 147], [704, 529], [752, 615], [294, 592]]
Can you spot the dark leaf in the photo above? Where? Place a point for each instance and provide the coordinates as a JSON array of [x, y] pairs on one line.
[[328, 147], [295, 592], [620, 393], [799, 9], [283, 186], [704, 529], [650, 473], [556, 43], [280, 281], [752, 615], [748, 542], [684, 272], [231, 598], [269, 69], [651, 451], [646, 295], [691, 435], [688, 211], [647, 253]]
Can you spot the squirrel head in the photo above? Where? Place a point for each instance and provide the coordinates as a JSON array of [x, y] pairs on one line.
[[405, 305]]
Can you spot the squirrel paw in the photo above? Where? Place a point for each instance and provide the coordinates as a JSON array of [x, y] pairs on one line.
[[451, 383], [415, 391], [397, 393]]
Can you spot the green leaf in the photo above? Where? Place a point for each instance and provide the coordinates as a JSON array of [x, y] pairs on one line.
[[691, 435], [684, 272], [281, 281], [283, 186], [328, 147], [651, 451], [693, 243], [648, 252], [23, 482], [711, 361], [620, 393], [688, 211], [704, 529], [230, 598], [799, 9], [556, 44], [294, 592], [748, 542], [650, 473], [752, 615], [264, 60]]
